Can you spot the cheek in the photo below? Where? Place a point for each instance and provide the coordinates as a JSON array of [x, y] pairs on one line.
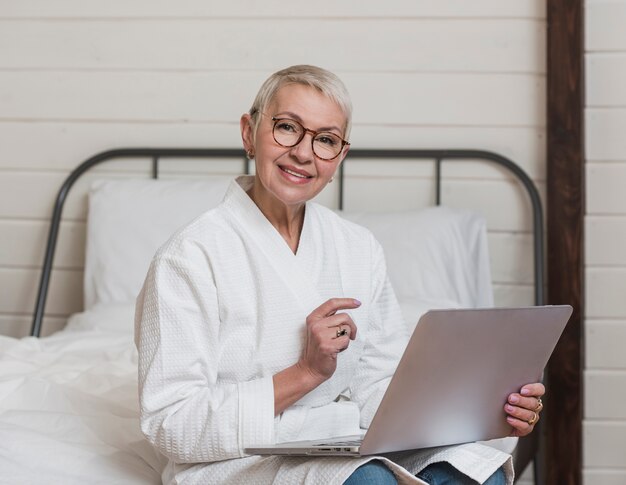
[[326, 170]]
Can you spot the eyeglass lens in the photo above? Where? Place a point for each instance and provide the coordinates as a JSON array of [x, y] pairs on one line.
[[289, 133]]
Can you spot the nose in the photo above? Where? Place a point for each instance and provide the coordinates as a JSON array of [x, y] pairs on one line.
[[303, 150]]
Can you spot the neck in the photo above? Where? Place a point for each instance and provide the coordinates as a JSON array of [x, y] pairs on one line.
[[286, 219]]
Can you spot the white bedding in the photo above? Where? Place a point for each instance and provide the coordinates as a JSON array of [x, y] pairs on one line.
[[69, 412]]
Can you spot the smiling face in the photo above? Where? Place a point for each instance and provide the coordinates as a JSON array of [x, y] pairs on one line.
[[285, 176]]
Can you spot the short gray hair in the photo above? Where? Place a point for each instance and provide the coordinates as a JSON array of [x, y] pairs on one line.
[[321, 79]]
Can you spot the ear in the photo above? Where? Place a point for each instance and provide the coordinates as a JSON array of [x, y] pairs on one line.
[[344, 153], [246, 124]]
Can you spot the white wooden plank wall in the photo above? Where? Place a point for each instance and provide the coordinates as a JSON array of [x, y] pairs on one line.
[[80, 77], [605, 325]]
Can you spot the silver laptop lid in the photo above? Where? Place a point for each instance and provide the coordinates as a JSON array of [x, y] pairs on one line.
[[456, 373]]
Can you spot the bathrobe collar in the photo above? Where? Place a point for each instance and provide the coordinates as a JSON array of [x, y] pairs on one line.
[[293, 268]]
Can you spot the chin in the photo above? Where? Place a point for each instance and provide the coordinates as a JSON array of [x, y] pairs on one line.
[[296, 195]]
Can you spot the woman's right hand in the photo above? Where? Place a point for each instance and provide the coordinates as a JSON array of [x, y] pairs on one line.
[[328, 334]]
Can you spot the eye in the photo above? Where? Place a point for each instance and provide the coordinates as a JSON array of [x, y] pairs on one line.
[[288, 126], [327, 139]]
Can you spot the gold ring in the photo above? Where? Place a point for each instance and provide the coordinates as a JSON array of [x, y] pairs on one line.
[[341, 332], [533, 420], [539, 405]]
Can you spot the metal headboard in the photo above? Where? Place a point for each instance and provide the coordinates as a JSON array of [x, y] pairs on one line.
[[156, 154]]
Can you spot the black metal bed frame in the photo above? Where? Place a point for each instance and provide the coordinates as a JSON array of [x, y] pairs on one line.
[[438, 156], [527, 449]]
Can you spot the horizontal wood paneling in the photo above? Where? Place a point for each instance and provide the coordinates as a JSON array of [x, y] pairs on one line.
[[79, 78], [606, 80], [604, 477], [511, 256], [272, 9], [605, 236], [18, 326], [604, 342], [605, 26], [85, 77], [604, 444], [23, 244], [513, 295], [452, 169], [605, 227], [605, 134], [605, 292], [456, 99], [510, 214], [25, 195], [490, 45], [611, 385], [605, 188], [62, 145], [19, 289]]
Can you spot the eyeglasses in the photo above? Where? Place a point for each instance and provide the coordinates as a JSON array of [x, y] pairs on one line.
[[288, 133]]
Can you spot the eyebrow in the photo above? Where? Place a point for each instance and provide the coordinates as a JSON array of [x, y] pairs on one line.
[[297, 118]]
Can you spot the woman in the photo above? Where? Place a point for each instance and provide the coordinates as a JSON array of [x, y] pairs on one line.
[[271, 319]]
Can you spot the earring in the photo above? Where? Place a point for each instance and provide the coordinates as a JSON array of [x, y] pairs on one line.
[[250, 154]]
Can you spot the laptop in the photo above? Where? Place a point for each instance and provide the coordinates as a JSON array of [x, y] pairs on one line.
[[452, 381]]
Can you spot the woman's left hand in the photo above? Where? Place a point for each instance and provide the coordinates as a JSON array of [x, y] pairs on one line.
[[523, 408]]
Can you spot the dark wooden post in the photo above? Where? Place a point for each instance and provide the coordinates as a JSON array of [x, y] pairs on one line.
[[565, 221]]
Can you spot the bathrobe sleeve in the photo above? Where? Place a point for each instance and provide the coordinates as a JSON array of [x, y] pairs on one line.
[[386, 339], [186, 413]]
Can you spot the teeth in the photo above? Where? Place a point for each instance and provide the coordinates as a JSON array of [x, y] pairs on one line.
[[294, 173]]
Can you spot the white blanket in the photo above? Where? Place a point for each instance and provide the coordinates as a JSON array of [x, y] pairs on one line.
[[69, 412]]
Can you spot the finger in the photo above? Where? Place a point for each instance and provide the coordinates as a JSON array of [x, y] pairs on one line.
[[332, 306], [536, 389], [520, 427], [340, 337], [530, 403], [344, 321], [341, 331], [522, 414], [342, 343]]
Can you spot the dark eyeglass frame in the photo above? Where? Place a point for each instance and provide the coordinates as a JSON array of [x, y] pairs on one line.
[[313, 133]]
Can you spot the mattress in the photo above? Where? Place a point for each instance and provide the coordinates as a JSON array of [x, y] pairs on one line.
[[69, 410]]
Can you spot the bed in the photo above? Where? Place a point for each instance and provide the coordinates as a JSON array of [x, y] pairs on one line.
[[68, 401]]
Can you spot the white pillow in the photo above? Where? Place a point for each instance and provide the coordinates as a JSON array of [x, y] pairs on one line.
[[109, 317], [128, 221], [436, 257]]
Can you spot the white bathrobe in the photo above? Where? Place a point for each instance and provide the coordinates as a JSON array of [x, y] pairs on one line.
[[223, 309]]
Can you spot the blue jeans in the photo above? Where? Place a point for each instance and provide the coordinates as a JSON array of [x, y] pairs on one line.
[[375, 472]]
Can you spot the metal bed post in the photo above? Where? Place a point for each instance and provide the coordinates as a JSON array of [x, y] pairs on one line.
[[155, 167]]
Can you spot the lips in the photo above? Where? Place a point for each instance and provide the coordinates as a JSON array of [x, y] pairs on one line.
[[295, 172]]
